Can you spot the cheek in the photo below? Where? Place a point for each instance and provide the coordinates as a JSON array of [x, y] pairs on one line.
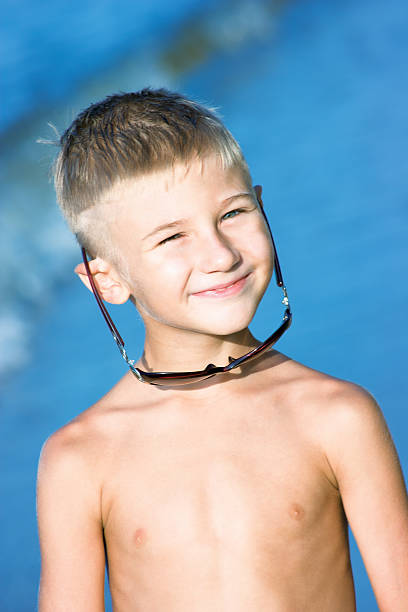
[[162, 277], [171, 268], [259, 248]]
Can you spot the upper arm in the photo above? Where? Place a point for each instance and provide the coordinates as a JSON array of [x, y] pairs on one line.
[[69, 527], [363, 457]]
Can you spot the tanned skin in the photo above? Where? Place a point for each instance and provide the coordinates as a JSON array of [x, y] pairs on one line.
[[230, 495]]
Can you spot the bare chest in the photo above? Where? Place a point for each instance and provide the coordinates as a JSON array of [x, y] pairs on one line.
[[250, 484]]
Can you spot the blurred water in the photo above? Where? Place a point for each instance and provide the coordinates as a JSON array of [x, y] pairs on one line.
[[48, 49], [316, 94], [82, 51]]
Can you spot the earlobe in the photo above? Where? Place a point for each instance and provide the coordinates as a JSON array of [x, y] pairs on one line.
[[108, 283]]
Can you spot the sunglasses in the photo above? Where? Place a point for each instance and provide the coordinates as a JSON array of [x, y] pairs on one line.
[[183, 378]]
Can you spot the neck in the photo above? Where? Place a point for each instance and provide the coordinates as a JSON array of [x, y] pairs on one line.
[[182, 350]]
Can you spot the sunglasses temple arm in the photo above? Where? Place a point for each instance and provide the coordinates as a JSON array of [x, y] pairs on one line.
[[279, 279], [111, 325]]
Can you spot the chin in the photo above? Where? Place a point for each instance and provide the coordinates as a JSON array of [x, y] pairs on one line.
[[225, 324]]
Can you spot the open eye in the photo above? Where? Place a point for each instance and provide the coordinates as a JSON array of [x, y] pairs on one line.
[[174, 237], [232, 213]]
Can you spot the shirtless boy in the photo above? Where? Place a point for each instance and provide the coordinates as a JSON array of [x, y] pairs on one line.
[[226, 494]]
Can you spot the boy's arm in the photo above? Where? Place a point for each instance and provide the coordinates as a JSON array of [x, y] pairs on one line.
[[364, 460], [69, 526]]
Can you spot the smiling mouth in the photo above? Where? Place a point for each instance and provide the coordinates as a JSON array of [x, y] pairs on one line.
[[224, 290]]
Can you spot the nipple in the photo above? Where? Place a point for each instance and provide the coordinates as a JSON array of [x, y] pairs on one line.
[[139, 537], [296, 511]]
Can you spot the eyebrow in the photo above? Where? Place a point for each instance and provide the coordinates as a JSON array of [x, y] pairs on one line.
[[179, 222]]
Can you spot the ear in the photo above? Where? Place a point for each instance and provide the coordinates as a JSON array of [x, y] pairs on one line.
[[258, 191], [109, 284]]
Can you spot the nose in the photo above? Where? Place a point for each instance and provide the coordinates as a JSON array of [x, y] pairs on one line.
[[217, 253]]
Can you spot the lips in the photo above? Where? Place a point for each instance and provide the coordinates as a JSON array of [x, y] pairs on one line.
[[230, 288]]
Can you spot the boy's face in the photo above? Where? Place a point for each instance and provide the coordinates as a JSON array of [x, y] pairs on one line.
[[197, 247]]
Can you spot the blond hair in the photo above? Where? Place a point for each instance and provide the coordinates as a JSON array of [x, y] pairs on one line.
[[126, 136]]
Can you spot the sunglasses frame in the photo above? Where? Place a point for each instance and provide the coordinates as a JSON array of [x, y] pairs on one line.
[[177, 378]]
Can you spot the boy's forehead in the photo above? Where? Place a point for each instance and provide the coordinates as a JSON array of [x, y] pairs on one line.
[[135, 207]]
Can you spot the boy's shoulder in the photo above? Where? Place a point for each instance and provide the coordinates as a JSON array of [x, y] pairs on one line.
[[71, 448], [81, 440], [326, 406], [306, 385], [335, 416]]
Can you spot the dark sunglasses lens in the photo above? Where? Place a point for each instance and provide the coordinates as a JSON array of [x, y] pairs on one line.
[[239, 361], [170, 381]]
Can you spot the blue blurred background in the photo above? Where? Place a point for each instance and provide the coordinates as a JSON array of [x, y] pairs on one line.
[[316, 93]]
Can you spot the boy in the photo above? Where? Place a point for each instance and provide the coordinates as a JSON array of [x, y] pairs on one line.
[[230, 493]]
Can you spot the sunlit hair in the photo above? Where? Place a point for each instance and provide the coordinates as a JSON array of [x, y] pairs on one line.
[[127, 136]]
